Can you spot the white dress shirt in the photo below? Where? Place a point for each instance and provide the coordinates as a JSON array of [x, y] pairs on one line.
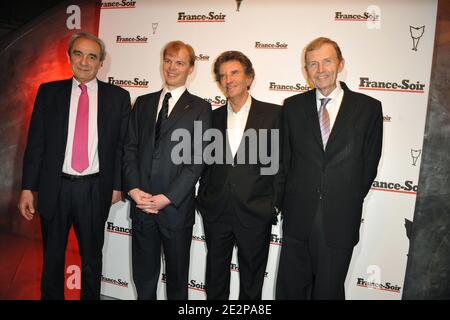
[[92, 90], [176, 94], [236, 122]]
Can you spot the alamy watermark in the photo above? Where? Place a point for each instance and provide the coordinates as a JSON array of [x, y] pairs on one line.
[[258, 146]]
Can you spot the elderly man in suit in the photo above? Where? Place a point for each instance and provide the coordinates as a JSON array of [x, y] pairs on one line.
[[237, 197], [162, 190], [72, 164], [331, 139]]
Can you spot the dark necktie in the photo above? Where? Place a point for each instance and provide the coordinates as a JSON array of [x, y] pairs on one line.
[[162, 116], [324, 120]]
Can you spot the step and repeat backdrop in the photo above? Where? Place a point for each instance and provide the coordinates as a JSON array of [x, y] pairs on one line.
[[388, 48]]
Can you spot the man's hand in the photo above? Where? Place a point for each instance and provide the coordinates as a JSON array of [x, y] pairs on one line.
[[116, 196], [159, 202], [26, 204], [142, 200]]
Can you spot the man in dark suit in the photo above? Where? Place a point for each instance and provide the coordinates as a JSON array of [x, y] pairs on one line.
[[331, 142], [163, 191], [237, 196], [72, 164]]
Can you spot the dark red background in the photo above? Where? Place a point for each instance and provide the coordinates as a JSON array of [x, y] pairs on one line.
[[34, 54]]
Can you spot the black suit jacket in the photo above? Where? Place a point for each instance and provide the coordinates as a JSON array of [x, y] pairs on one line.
[[175, 181], [253, 195], [341, 176], [47, 139]]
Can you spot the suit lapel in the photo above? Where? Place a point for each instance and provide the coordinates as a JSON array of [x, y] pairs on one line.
[[345, 111], [63, 108], [311, 110], [150, 115], [254, 114], [102, 110], [222, 124], [182, 105], [221, 118]]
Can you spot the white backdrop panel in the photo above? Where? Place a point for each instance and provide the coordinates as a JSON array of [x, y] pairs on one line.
[[379, 50]]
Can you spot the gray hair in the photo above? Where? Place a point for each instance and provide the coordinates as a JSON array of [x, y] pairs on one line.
[[89, 36]]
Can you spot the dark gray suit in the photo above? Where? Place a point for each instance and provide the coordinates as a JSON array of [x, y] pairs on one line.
[[60, 202], [151, 169], [237, 206], [325, 190]]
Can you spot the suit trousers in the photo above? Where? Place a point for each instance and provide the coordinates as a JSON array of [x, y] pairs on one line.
[[312, 270], [147, 238], [78, 205], [253, 251]]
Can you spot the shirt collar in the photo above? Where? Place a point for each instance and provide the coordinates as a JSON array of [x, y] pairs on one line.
[[176, 93], [245, 107], [333, 95], [91, 85]]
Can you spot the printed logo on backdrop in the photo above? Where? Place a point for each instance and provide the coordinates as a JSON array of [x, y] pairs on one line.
[[298, 87], [112, 228], [216, 101], [120, 4], [416, 33], [201, 17], [407, 187], [373, 281], [202, 57], [371, 16], [196, 285], [387, 118], [276, 240], [134, 83], [116, 282], [154, 26], [199, 238], [405, 85], [415, 154], [271, 45], [387, 286], [134, 39], [192, 284], [235, 267], [238, 5]]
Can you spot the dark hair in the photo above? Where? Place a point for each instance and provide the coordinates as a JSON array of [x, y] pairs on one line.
[[175, 46], [234, 56], [89, 36]]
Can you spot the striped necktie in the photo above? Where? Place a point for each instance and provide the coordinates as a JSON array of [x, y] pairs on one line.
[[324, 120]]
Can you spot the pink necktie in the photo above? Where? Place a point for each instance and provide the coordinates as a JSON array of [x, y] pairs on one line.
[[324, 120], [80, 160]]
